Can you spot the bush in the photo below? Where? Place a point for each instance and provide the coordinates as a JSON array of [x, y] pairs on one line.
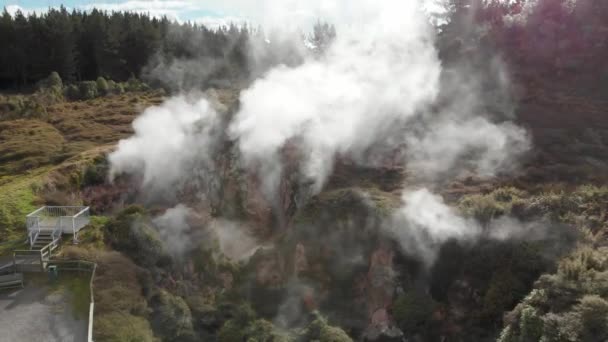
[[54, 81], [118, 229], [333, 334], [96, 172], [72, 92], [115, 88], [530, 325], [320, 330], [88, 90], [149, 248], [262, 330], [172, 318], [593, 311], [412, 310], [134, 84], [132, 233], [102, 86], [120, 327]]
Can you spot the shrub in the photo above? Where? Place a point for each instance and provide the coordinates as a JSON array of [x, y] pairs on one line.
[[102, 86], [134, 84], [412, 310], [530, 325], [119, 228], [119, 88], [132, 233], [113, 87], [88, 90], [30, 108], [333, 334], [172, 318], [593, 311], [320, 330], [149, 248], [72, 92], [130, 300], [50, 90], [262, 330], [120, 327], [54, 80], [96, 172]]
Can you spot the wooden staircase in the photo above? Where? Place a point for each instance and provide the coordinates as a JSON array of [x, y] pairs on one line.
[[42, 240], [37, 257]]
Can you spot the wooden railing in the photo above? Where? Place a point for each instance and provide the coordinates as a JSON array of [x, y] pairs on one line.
[[43, 255], [28, 255], [67, 220]]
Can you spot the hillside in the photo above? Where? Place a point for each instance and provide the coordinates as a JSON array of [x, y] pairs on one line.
[[51, 153], [53, 160], [356, 184]]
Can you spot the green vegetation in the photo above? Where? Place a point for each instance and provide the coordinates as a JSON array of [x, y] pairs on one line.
[[568, 305], [93, 236], [320, 330], [117, 277], [120, 327], [53, 144], [341, 203], [172, 318], [413, 311], [132, 232], [493, 205], [76, 286], [16, 201]]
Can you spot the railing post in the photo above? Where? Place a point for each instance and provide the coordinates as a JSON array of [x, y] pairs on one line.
[[74, 231], [41, 262]]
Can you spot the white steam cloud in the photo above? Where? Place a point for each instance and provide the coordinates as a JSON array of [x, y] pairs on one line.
[[425, 222], [174, 229], [234, 240], [377, 90], [379, 72], [170, 141]]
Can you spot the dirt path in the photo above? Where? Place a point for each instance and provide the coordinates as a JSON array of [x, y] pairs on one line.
[[38, 313]]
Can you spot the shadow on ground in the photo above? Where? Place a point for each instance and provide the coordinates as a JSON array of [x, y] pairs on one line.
[[40, 312]]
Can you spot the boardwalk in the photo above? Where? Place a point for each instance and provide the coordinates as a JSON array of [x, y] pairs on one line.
[[38, 314]]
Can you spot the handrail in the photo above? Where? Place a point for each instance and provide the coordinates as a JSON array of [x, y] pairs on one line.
[[56, 230], [81, 212], [36, 211]]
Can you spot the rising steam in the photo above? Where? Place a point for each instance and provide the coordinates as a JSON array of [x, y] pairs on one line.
[[372, 96]]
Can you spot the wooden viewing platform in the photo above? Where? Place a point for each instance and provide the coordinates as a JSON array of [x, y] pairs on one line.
[[48, 223]]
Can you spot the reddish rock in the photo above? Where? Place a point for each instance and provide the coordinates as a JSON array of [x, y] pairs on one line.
[[300, 260], [381, 280]]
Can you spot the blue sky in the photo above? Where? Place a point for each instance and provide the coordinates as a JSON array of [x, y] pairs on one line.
[[211, 12]]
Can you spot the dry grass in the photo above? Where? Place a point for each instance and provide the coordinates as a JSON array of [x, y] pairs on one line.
[[50, 153], [69, 129]]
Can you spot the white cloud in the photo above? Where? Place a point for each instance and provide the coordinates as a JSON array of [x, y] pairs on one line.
[[13, 9], [217, 22], [157, 8]]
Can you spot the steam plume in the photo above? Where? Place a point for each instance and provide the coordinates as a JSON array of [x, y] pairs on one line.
[[379, 91]]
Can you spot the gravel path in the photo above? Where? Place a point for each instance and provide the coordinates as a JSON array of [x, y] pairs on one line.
[[38, 314]]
